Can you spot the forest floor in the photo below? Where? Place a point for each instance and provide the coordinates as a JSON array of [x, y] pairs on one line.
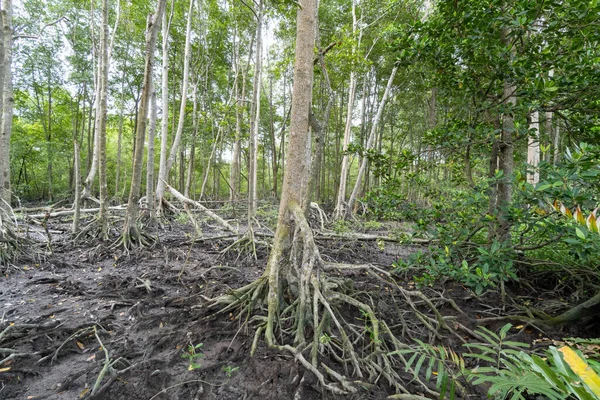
[[66, 312]]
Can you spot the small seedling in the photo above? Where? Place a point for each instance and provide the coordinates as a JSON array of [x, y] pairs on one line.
[[193, 355], [229, 370]]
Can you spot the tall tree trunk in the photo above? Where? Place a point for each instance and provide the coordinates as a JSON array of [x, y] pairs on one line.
[[506, 153], [163, 173], [6, 103], [120, 135], [166, 23], [296, 183], [101, 124], [131, 233], [190, 171], [150, 159], [363, 165], [255, 120], [340, 210]]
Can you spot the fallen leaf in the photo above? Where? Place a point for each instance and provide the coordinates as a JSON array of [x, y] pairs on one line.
[[99, 269], [161, 325], [83, 393], [52, 316], [5, 369], [91, 358], [519, 327], [80, 345]]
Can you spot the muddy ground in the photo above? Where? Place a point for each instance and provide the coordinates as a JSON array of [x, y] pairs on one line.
[[64, 312]]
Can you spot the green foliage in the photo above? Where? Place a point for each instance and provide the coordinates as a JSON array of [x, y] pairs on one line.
[[492, 266], [505, 369], [193, 355], [438, 361], [229, 370]]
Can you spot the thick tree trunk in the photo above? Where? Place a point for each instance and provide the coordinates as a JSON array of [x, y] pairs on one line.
[[163, 173], [296, 183], [363, 165], [131, 234]]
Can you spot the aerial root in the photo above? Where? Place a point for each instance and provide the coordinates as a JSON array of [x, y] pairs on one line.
[[247, 244], [95, 229], [135, 238], [12, 246]]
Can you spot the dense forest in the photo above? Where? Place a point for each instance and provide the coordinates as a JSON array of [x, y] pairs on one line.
[[230, 199]]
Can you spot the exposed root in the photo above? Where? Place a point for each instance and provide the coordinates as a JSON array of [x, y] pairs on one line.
[[247, 244], [135, 238], [12, 245], [304, 317], [95, 229]]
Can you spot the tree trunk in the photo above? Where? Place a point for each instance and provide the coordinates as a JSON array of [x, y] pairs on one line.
[[150, 160], [533, 149], [6, 103], [363, 165], [505, 154], [120, 135], [131, 234], [296, 183], [190, 171], [101, 125], [255, 120], [166, 23], [163, 173]]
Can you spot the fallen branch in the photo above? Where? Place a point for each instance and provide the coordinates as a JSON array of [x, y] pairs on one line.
[[196, 204]]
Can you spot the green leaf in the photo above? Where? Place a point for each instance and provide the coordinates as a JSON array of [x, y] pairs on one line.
[[580, 233]]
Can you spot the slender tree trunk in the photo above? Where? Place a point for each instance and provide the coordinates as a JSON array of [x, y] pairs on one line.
[[556, 146], [166, 23], [101, 125], [6, 104], [190, 171], [533, 149], [255, 120], [131, 234], [120, 135], [319, 129], [164, 170], [151, 138], [77, 184], [363, 165]]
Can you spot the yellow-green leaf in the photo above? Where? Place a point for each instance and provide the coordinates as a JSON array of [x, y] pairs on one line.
[[582, 369], [580, 233], [578, 216], [592, 223]]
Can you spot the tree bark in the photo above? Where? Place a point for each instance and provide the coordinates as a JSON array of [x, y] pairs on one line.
[[255, 120], [150, 159], [163, 173], [296, 183], [533, 149], [101, 125], [6, 103], [131, 234]]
